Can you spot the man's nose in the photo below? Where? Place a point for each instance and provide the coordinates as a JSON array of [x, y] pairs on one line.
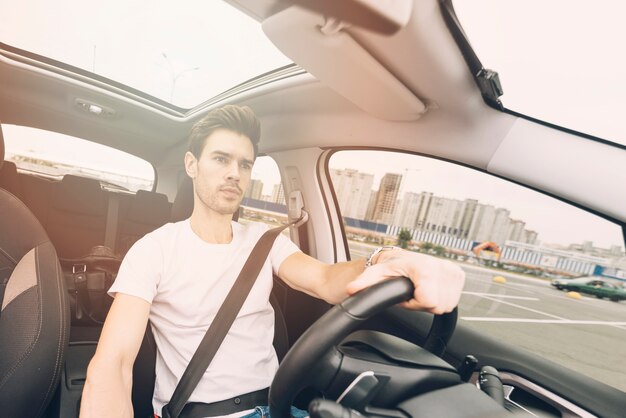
[[233, 171]]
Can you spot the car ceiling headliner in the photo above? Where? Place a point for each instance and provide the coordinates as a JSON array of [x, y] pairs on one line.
[[297, 112]]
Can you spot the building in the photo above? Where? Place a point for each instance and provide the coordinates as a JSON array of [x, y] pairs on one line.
[[468, 210], [409, 206], [254, 190], [443, 215], [559, 261], [529, 237], [425, 199], [278, 195], [371, 205], [501, 226], [384, 209], [516, 230], [353, 190], [482, 223]]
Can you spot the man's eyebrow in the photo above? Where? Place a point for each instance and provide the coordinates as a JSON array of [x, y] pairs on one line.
[[226, 154]]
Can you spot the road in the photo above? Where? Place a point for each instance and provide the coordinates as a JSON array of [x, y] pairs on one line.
[[587, 335]]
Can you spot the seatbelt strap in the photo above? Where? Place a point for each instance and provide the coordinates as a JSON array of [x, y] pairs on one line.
[[5, 275], [222, 322], [110, 233]]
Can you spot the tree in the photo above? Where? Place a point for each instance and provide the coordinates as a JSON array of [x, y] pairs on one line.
[[404, 236]]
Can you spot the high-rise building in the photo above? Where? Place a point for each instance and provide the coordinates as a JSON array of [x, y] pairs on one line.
[[254, 190], [353, 190], [386, 198], [409, 206], [371, 205], [529, 237], [443, 215], [482, 223], [278, 195], [425, 199], [468, 209], [501, 226], [516, 230]]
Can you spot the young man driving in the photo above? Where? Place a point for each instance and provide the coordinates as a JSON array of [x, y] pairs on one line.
[[178, 276]]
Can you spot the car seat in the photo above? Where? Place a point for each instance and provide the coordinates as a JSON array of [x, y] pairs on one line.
[[34, 318]]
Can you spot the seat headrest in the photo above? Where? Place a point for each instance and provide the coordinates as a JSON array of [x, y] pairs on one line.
[[79, 195], [149, 208], [183, 202], [1, 147]]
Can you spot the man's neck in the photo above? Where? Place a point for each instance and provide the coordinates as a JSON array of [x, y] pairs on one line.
[[212, 227]]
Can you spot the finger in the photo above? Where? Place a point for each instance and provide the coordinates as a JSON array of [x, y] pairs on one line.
[[370, 276], [419, 304]]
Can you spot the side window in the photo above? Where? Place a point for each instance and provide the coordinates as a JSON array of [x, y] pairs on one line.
[[264, 199], [528, 258], [50, 154]]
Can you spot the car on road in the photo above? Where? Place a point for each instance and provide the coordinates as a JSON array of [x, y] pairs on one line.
[[593, 285], [454, 122]]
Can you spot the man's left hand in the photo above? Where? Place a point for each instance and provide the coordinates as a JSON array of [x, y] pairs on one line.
[[438, 283]]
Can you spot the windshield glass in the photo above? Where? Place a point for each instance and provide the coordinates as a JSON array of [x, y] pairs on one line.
[[183, 55], [559, 61]]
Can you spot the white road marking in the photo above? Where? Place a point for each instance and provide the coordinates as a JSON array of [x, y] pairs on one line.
[[522, 307], [496, 295], [542, 321]]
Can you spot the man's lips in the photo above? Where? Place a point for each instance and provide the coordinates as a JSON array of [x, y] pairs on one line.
[[230, 190]]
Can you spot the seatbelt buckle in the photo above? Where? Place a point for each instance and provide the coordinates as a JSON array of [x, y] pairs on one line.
[[79, 268], [79, 274]]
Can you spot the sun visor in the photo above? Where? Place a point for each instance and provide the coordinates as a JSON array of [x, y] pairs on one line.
[[328, 52]]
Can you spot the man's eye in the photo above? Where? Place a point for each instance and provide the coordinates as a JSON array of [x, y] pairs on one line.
[[220, 159], [246, 166]]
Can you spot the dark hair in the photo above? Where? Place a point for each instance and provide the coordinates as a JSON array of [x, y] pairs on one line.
[[239, 119]]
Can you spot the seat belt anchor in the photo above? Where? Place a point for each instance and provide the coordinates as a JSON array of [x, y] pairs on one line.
[[295, 209]]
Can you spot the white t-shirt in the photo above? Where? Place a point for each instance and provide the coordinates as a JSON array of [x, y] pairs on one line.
[[186, 280]]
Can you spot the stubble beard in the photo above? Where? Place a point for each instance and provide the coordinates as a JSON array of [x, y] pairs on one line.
[[212, 201]]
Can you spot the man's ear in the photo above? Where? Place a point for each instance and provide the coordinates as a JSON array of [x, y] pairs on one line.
[[191, 165]]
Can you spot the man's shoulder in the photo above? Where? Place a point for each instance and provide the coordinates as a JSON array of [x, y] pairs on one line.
[[162, 235]]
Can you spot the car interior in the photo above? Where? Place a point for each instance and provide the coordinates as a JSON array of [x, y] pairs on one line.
[[399, 77]]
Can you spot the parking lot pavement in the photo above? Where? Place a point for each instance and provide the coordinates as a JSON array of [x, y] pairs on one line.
[[587, 334], [531, 314]]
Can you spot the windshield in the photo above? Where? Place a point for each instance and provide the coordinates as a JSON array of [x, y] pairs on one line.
[[150, 46], [559, 61]]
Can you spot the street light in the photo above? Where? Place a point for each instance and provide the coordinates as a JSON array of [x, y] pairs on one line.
[[175, 75]]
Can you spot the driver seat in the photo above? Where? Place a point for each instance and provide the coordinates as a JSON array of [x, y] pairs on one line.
[[34, 315]]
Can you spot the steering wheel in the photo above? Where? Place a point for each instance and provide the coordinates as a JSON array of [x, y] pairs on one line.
[[294, 372]]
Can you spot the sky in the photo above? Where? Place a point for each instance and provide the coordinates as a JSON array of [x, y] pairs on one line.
[[201, 49], [560, 61]]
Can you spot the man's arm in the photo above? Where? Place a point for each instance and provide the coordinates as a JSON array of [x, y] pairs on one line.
[[109, 375], [438, 283]]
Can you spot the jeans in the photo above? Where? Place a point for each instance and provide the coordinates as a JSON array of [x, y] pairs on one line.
[[264, 412]]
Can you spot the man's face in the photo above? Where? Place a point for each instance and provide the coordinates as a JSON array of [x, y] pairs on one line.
[[222, 173]]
